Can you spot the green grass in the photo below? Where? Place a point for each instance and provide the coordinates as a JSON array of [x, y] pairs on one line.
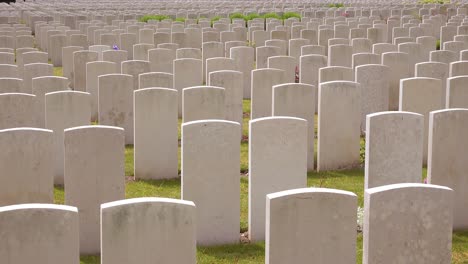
[[59, 195], [350, 180], [255, 253], [245, 123], [244, 253], [460, 247], [244, 157], [58, 71], [153, 188], [90, 260], [129, 161]]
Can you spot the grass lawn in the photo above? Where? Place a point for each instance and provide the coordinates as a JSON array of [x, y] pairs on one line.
[[350, 180], [58, 71]]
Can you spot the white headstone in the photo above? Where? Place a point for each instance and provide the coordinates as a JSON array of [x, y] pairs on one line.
[[276, 149], [94, 166], [210, 161]]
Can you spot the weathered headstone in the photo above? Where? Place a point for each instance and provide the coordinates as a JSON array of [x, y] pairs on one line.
[[309, 66], [286, 63], [43, 85], [340, 55], [295, 217], [397, 224], [244, 60], [437, 70], [155, 112], [262, 82], [115, 56], [153, 229], [95, 69], [161, 60], [394, 148], [187, 73], [80, 59], [276, 149], [210, 161], [67, 63], [156, 79], [94, 163], [65, 109], [203, 102], [338, 142], [115, 104], [335, 73], [447, 145], [9, 71], [398, 62], [374, 86], [39, 233], [231, 81], [12, 85], [263, 53], [219, 64], [27, 165], [421, 95], [18, 110], [135, 68], [297, 100]]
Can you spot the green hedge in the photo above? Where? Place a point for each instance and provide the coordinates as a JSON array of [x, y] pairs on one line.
[[272, 15], [232, 16], [434, 2], [290, 14], [265, 16], [338, 5], [153, 17]]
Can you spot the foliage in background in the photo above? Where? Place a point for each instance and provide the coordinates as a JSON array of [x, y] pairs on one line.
[[441, 2], [438, 44], [265, 16], [271, 15], [153, 17], [251, 16], [202, 17], [248, 17], [214, 19], [237, 15], [338, 5], [290, 14]]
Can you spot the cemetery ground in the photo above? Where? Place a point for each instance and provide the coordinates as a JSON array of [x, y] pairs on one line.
[[250, 253]]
